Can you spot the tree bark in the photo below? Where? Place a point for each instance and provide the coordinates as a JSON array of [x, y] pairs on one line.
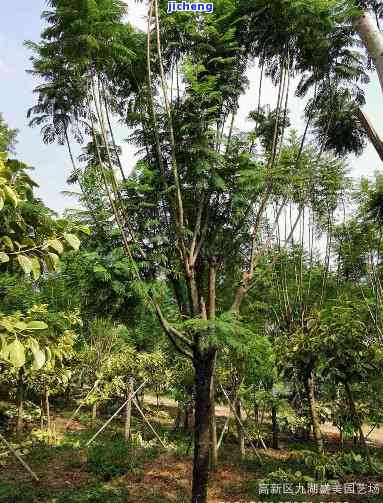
[[204, 367], [358, 422], [187, 417], [41, 414], [47, 408], [177, 419], [372, 134], [275, 430], [372, 39], [240, 435], [310, 389], [213, 429], [128, 410], [94, 414], [20, 406]]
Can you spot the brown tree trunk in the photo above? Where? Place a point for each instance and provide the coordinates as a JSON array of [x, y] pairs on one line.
[[213, 429], [240, 435], [372, 134], [211, 316], [94, 414], [310, 389], [47, 408], [177, 419], [358, 422], [188, 414], [256, 412], [128, 410], [20, 406], [275, 429], [41, 414], [204, 367]]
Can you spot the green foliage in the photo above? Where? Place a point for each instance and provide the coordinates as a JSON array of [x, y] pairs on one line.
[[7, 136], [338, 466], [30, 343], [30, 236]]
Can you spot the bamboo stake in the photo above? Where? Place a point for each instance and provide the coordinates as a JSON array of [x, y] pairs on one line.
[[17, 455], [134, 402], [81, 404], [241, 424], [228, 418], [115, 414]]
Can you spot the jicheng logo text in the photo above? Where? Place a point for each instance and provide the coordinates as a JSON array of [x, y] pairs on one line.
[[187, 6]]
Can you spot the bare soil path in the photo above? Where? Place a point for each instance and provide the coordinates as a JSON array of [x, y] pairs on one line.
[[375, 437]]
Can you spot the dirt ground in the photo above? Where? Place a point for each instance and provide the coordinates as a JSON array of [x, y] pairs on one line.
[[167, 479]]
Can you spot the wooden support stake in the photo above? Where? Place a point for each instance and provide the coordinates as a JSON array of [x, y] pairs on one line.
[[115, 414], [79, 407], [228, 419], [241, 424], [147, 422], [17, 455]]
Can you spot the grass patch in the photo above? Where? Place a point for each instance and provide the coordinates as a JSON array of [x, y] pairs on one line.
[[97, 494], [113, 457]]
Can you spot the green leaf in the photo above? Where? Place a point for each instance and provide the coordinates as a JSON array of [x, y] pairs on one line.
[[36, 269], [25, 263], [54, 260], [1, 203], [84, 229], [34, 345], [37, 325], [72, 241], [8, 242], [100, 269], [49, 353], [39, 359], [11, 195], [21, 325], [4, 257], [16, 353], [56, 245]]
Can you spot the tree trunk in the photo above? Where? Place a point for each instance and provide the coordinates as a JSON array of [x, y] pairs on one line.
[[128, 410], [275, 430], [177, 419], [188, 413], [256, 412], [372, 39], [94, 414], [240, 435], [20, 407], [310, 389], [371, 133], [204, 368], [41, 414], [213, 429], [47, 408], [358, 422]]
